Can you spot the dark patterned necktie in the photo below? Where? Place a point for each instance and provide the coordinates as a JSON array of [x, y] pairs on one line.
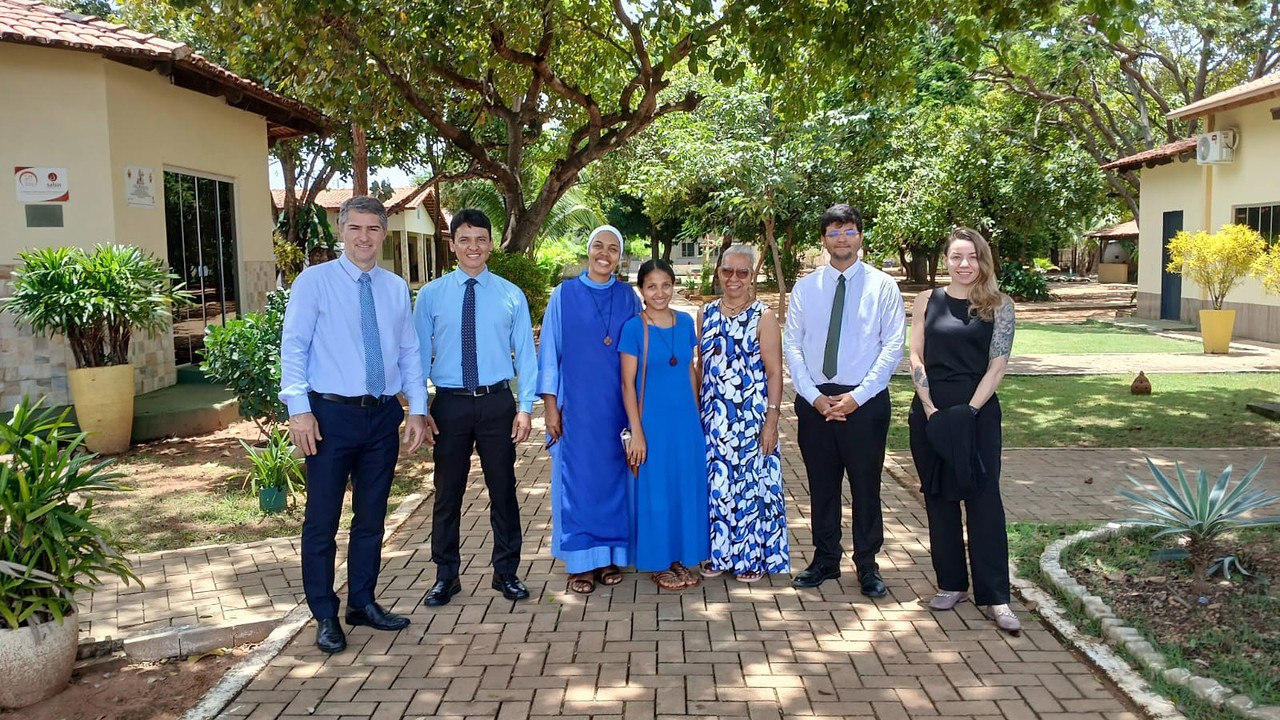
[[375, 380], [470, 367], [830, 358]]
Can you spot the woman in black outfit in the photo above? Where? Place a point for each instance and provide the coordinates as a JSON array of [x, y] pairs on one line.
[[961, 337]]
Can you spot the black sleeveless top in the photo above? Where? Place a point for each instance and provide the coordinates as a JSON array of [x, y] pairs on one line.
[[957, 345]]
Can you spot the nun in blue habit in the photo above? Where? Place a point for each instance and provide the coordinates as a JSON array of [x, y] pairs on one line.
[[592, 489]]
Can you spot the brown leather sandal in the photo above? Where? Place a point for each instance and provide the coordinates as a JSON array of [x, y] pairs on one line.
[[668, 580], [583, 583], [689, 577], [609, 575]]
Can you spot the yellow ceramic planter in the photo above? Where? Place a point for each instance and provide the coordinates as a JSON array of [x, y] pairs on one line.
[[1216, 327], [103, 398]]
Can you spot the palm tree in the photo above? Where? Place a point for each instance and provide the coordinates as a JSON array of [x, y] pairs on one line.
[[575, 215]]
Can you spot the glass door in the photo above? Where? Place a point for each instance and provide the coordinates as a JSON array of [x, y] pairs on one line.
[[200, 222]]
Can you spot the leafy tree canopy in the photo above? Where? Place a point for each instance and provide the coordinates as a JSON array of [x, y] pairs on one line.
[[493, 77]]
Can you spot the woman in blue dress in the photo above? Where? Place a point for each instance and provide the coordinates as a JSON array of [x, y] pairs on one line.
[[580, 382], [667, 446], [741, 353]]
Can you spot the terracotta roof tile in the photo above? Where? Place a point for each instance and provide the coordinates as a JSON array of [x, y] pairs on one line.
[[330, 199], [401, 198], [1264, 88], [1155, 156], [1123, 230], [27, 21]]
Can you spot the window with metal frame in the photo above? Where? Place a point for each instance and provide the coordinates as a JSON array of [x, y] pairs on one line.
[[1263, 218]]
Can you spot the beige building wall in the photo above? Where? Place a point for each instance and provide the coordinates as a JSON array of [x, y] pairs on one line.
[[1208, 196], [1165, 188], [92, 116], [52, 105]]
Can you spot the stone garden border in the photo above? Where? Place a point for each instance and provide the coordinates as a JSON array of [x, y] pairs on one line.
[[1119, 635]]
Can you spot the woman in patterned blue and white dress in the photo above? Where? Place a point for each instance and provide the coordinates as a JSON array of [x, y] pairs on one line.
[[741, 349]]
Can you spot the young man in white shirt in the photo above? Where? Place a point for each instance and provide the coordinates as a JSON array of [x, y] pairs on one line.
[[846, 324]]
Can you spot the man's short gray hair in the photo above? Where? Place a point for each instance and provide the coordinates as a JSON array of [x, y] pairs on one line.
[[364, 204], [741, 249]]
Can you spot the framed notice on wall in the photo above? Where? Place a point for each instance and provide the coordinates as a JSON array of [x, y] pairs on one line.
[[139, 186], [41, 184]]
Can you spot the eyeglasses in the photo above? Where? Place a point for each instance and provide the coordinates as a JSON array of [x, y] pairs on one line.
[[740, 273], [833, 234]]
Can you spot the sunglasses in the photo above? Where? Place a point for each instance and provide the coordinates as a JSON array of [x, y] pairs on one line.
[[740, 273]]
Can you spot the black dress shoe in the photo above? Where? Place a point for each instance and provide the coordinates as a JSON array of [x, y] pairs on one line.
[[816, 574], [872, 584], [511, 587], [442, 592], [375, 617], [329, 637]]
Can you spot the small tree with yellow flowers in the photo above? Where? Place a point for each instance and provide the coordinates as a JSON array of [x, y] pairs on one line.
[[1218, 261], [1267, 269]]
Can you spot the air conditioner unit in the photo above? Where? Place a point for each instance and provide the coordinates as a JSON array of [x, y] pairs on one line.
[[1216, 148]]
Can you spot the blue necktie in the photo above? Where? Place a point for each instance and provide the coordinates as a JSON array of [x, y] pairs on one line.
[[374, 379], [470, 367]]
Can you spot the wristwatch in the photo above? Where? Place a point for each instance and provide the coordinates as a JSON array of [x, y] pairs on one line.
[[973, 410]]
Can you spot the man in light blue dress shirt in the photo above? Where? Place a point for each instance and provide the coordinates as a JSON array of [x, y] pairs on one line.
[[475, 336], [347, 348], [846, 325]]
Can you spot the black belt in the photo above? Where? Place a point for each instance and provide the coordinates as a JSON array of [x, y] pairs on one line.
[[834, 389], [482, 390], [363, 401]]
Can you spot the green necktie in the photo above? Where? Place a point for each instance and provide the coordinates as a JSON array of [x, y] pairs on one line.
[[832, 353]]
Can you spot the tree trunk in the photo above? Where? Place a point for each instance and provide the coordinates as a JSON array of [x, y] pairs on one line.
[[289, 168], [917, 267], [359, 161], [777, 268], [525, 222]]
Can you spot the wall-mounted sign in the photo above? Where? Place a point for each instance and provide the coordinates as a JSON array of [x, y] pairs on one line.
[[140, 186], [41, 184]]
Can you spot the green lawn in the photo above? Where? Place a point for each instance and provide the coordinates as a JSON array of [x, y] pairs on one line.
[[1049, 339], [1094, 338], [1184, 410]]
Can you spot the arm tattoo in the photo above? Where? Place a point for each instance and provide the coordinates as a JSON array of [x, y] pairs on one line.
[[920, 378], [1002, 335]]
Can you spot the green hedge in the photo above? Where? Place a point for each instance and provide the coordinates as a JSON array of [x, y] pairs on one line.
[[525, 273]]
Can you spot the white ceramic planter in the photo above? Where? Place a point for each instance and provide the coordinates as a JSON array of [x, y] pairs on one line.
[[36, 661]]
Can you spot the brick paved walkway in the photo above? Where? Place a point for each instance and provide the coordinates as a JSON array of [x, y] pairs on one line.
[[723, 650], [213, 585]]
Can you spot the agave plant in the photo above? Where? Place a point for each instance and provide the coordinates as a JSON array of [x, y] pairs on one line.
[[1201, 511]]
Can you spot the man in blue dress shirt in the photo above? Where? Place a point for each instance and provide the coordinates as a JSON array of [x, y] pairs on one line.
[[470, 324], [348, 347]]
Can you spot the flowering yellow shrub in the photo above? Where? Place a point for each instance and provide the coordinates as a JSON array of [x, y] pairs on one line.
[[1217, 261], [1267, 268]]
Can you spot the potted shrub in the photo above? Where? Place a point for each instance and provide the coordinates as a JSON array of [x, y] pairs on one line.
[[276, 474], [96, 299], [1216, 262], [50, 548]]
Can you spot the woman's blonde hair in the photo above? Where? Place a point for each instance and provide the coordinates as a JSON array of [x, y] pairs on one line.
[[984, 295]]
